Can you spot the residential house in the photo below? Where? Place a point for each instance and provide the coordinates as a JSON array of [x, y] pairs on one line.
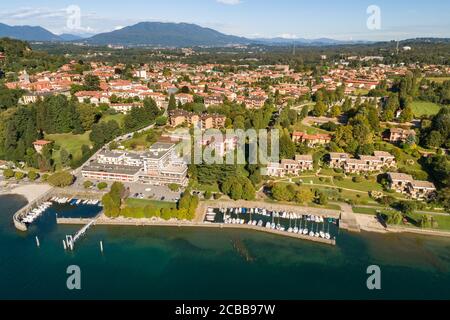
[[311, 139], [399, 135], [40, 144], [203, 121], [405, 183], [364, 164], [125, 107], [301, 163]]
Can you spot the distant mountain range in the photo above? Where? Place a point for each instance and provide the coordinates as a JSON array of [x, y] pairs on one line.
[[159, 34], [166, 35], [27, 33], [303, 41]]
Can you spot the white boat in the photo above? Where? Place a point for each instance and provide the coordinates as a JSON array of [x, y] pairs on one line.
[[260, 223], [254, 223]]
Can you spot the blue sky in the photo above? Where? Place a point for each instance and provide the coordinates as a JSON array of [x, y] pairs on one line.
[[344, 19]]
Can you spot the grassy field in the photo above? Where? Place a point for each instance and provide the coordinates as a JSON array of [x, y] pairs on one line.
[[363, 92], [213, 188], [142, 141], [438, 79], [120, 118], [442, 221], [371, 211], [424, 108], [142, 203], [365, 185], [72, 143], [309, 130]]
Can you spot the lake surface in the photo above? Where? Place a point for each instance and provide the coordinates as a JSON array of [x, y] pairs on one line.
[[177, 263]]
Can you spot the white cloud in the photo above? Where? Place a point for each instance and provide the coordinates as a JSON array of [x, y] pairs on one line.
[[230, 2], [288, 36]]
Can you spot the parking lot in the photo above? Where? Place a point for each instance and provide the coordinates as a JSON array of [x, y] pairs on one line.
[[143, 191]]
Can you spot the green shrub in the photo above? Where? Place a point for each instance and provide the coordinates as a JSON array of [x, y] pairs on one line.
[[61, 179], [19, 175], [174, 187], [87, 184], [33, 175], [357, 179], [208, 195], [8, 173], [102, 186]]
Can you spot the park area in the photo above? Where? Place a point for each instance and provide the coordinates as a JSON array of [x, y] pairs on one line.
[[71, 143], [425, 108]]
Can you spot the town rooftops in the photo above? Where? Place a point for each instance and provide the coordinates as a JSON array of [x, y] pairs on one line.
[[423, 185], [383, 154], [338, 155], [400, 176], [158, 150], [113, 169], [319, 136], [370, 158], [41, 142], [307, 157]]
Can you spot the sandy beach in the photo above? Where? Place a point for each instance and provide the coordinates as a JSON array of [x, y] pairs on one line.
[[30, 191]]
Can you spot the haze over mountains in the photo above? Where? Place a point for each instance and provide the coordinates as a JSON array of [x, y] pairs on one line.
[[159, 34]]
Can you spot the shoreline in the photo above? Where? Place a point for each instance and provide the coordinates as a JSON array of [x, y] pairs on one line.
[[30, 192], [125, 222], [369, 223]]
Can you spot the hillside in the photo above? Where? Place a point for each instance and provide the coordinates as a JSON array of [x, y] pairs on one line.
[[27, 33], [166, 35]]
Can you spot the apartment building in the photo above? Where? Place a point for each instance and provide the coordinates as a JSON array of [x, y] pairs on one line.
[[162, 166], [291, 167], [158, 166], [405, 183], [396, 135], [125, 107], [311, 139], [375, 163], [213, 100], [203, 121]]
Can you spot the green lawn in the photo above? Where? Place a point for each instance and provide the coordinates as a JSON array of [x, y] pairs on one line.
[[213, 188], [365, 185], [119, 117], [72, 143], [142, 141], [442, 221], [438, 79], [424, 108], [309, 130], [371, 211], [363, 92], [142, 203]]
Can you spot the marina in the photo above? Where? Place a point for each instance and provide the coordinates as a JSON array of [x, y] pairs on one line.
[[31, 216], [307, 226], [272, 266]]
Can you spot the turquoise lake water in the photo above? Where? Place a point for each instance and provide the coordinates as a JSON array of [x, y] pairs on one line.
[[176, 263]]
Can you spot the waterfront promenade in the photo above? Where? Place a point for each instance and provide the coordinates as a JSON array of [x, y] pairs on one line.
[[105, 221]]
